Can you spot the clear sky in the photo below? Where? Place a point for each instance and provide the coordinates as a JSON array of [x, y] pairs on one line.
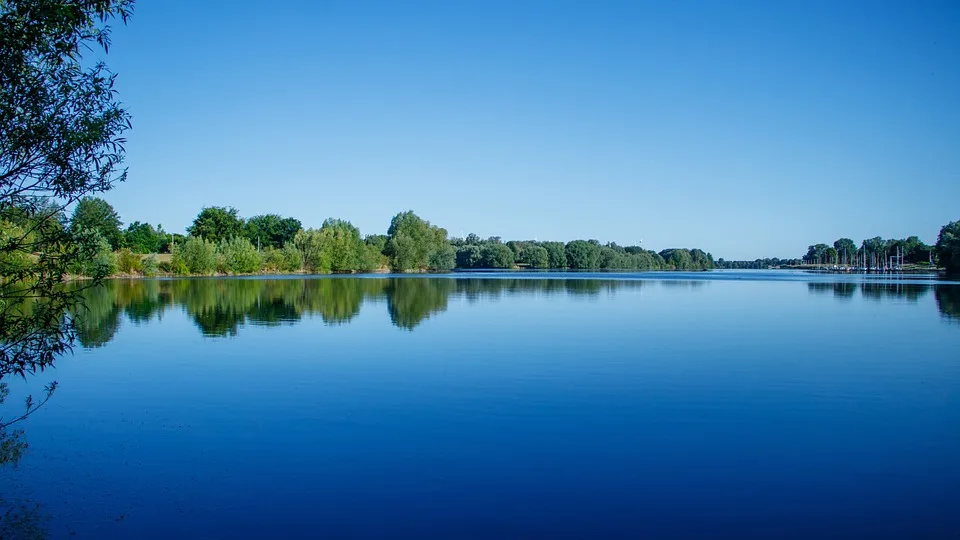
[[747, 129]]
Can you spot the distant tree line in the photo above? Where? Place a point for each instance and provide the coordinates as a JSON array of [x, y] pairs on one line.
[[757, 264], [221, 241], [871, 253]]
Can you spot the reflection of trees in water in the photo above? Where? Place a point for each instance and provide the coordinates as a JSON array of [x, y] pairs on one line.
[[220, 307], [910, 292], [411, 300], [682, 283], [841, 290], [948, 301], [97, 317]]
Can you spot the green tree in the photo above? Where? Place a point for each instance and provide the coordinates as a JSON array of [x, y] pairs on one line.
[[271, 230], [61, 127], [468, 256], [846, 250], [196, 256], [495, 255], [557, 253], [94, 214], [678, 259], [311, 245], [948, 247], [535, 256], [239, 256], [217, 223], [143, 238], [413, 244], [286, 259], [583, 254]]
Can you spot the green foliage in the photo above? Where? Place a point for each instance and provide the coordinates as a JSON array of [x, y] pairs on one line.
[[149, 266], [493, 255], [468, 256], [286, 259], [342, 242], [846, 250], [128, 262], [143, 238], [684, 259], [373, 258], [948, 247], [557, 254], [239, 256], [413, 244], [217, 223], [310, 244], [61, 127], [335, 247], [195, 256], [442, 259], [582, 254], [100, 261], [535, 256], [271, 230], [94, 214]]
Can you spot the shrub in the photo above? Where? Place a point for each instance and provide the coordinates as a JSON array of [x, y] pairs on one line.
[[286, 259], [195, 256], [128, 262], [237, 255], [149, 266]]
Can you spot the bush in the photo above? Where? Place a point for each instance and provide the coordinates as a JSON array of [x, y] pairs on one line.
[[237, 255], [128, 262], [166, 267], [104, 264], [195, 256], [286, 259], [149, 266]]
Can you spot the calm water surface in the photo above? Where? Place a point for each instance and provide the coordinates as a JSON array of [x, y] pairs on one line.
[[722, 405]]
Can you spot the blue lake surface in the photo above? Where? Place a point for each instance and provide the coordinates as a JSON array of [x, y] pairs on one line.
[[749, 405]]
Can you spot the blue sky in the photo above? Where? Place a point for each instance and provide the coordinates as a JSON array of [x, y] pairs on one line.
[[748, 129]]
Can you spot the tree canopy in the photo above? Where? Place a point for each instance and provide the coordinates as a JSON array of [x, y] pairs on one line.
[[948, 247], [217, 223], [95, 214], [271, 230], [61, 127], [415, 244]]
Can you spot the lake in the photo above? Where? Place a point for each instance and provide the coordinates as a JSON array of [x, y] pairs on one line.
[[749, 405]]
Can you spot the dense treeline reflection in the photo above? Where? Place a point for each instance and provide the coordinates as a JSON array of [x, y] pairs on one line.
[[219, 307], [947, 296]]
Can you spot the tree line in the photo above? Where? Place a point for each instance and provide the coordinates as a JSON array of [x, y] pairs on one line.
[[873, 253], [221, 241], [878, 253]]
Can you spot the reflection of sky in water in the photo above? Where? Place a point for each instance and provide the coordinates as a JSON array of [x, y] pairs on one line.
[[515, 408]]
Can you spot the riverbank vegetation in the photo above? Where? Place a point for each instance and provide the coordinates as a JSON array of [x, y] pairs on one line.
[[873, 254], [221, 242]]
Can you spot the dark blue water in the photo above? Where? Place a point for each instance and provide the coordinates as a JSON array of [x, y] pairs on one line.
[[725, 405]]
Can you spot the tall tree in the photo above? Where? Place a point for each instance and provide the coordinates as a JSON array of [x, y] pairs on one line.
[[846, 250], [583, 254], [61, 127], [95, 214], [948, 247], [143, 238], [217, 223], [271, 230], [415, 244]]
